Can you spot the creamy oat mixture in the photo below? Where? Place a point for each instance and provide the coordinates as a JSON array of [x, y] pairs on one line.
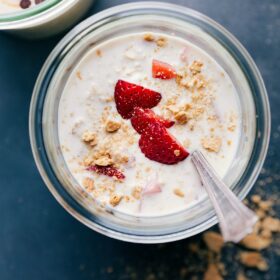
[[200, 99], [11, 6]]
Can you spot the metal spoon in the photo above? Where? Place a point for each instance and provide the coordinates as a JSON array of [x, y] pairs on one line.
[[235, 219]]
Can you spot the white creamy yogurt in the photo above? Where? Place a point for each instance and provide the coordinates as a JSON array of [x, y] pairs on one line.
[[87, 103], [12, 6]]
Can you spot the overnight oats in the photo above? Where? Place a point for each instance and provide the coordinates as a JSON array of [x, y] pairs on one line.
[[40, 18], [120, 106], [11, 6], [132, 111]]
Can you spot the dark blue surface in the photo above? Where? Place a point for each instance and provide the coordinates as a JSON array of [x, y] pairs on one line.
[[38, 239]]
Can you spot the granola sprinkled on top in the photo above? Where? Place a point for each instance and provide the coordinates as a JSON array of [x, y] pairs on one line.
[[115, 199], [112, 126], [178, 192], [90, 138], [136, 192], [161, 42], [212, 143], [149, 37], [107, 159], [88, 184], [196, 67]]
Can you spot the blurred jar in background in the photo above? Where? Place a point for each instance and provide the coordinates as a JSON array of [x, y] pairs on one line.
[[40, 18]]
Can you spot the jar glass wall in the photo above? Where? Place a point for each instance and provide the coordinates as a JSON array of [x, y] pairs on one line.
[[168, 19]]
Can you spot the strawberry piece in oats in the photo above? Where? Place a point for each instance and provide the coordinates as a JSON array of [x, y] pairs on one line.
[[107, 170], [162, 70], [152, 187], [128, 96], [143, 117], [158, 145]]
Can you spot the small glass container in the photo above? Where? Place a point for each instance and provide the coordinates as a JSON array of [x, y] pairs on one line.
[[45, 19], [143, 17]]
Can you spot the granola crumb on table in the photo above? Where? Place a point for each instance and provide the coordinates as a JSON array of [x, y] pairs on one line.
[[214, 241], [253, 259]]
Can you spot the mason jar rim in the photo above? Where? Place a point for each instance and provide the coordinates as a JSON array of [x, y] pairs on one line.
[[37, 150]]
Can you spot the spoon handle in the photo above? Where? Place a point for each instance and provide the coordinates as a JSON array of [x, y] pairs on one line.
[[235, 219]]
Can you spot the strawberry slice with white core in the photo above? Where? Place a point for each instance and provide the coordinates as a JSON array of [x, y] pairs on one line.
[[162, 70], [128, 96], [158, 145], [143, 117]]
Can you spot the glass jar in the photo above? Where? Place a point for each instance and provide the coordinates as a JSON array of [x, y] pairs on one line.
[[168, 19], [48, 18]]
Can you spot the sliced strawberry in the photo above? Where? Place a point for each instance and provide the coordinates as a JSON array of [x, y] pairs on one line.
[[143, 117], [128, 96], [107, 170], [162, 70], [158, 145]]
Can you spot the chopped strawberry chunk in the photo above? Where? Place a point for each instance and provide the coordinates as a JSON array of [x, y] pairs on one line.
[[107, 170], [128, 96], [162, 70], [152, 187], [158, 145], [143, 117]]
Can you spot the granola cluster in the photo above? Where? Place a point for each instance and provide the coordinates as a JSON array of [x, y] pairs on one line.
[[200, 107], [160, 41]]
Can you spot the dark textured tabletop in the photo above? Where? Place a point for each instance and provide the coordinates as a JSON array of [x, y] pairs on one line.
[[40, 240]]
